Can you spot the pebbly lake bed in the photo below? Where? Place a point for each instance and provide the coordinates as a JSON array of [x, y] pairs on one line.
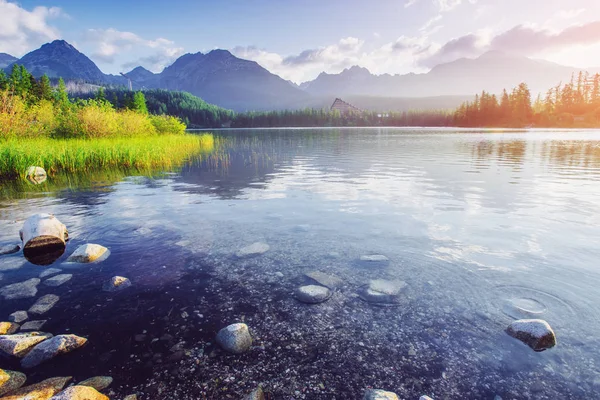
[[473, 229]]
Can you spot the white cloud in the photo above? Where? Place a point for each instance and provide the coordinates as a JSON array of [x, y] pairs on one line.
[[21, 29], [110, 43]]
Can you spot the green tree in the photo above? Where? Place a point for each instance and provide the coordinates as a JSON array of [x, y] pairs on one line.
[[45, 88], [60, 95], [139, 103]]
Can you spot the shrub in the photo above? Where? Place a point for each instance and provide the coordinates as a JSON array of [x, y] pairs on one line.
[[166, 124]]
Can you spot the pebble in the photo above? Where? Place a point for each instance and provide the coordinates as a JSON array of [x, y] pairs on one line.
[[6, 328], [20, 290], [42, 390], [33, 325], [89, 253], [378, 394], [254, 249], [256, 394], [323, 279], [58, 280], [374, 258], [131, 397], [424, 397], [312, 294], [49, 271], [18, 345], [116, 283], [44, 304], [51, 348], [9, 249], [235, 338], [536, 333], [11, 381], [18, 316], [97, 382]]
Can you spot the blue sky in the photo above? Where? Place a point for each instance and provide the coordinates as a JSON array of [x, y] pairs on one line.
[[299, 39]]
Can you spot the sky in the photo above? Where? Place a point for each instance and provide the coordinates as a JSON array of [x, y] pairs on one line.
[[300, 39]]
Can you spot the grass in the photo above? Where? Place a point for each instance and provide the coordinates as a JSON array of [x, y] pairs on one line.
[[165, 152]]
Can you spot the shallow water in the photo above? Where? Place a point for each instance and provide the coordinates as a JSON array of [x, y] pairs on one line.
[[484, 227]]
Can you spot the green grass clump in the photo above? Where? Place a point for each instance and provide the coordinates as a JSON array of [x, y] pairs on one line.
[[164, 152]]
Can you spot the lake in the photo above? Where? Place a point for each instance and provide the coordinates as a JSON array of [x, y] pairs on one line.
[[474, 228]]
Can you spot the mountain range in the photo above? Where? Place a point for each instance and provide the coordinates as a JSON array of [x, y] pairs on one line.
[[220, 78]]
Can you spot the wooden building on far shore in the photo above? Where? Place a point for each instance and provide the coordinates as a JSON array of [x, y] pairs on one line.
[[343, 107]]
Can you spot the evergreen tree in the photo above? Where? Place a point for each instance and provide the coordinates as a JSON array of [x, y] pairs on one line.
[[60, 95], [45, 88], [139, 103]]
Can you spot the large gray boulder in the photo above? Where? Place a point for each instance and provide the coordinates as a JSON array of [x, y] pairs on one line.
[[51, 348], [43, 390], [18, 316], [235, 338], [97, 382], [323, 279], [18, 345], [536, 333], [6, 328], [11, 381], [58, 280]]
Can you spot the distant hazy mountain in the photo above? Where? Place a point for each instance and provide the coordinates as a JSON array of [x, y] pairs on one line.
[[492, 72], [6, 60], [141, 77], [223, 79]]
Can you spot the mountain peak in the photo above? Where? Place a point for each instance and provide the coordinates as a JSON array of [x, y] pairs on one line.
[[6, 60], [60, 43]]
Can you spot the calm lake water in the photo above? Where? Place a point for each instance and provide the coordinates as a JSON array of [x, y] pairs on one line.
[[483, 226]]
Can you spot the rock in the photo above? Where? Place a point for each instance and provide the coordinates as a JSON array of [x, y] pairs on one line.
[[51, 348], [256, 394], [6, 328], [323, 279], [389, 287], [235, 338], [116, 283], [374, 258], [33, 325], [58, 280], [44, 304], [383, 292], [11, 263], [429, 398], [40, 391], [44, 239], [21, 290], [20, 344], [536, 333], [18, 317], [378, 394], [131, 397], [97, 382], [36, 175], [49, 271], [9, 249], [89, 253], [312, 294], [11, 381], [254, 249], [78, 392]]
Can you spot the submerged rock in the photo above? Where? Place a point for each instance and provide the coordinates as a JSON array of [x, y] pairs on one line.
[[80, 393], [235, 338], [39, 391], [256, 394], [97, 382], [49, 271], [44, 304], [383, 292], [18, 316], [20, 290], [378, 394], [6, 328], [58, 280], [375, 258], [33, 325], [20, 344], [51, 348], [312, 294], [254, 249], [323, 279], [9, 249], [11, 381], [116, 283], [536, 333], [390, 287], [89, 253]]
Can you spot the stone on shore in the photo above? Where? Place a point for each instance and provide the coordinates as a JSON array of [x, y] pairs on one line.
[[97, 382], [19, 345], [33, 325], [44, 304], [43, 390], [36, 175], [116, 283], [312, 294], [323, 279], [375, 258], [58, 280], [49, 271], [256, 394], [255, 249], [79, 393], [20, 290], [11, 381], [9, 249], [378, 394], [89, 253], [536, 333], [6, 328], [51, 348], [235, 338], [18, 317]]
